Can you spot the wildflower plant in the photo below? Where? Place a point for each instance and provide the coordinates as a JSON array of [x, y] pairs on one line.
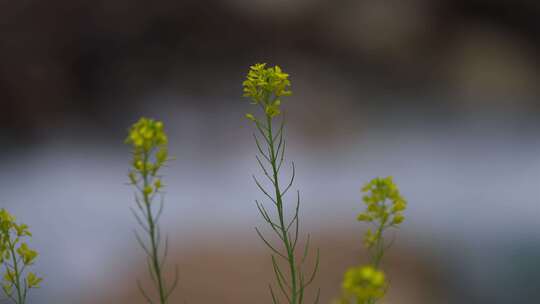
[[16, 257], [384, 210], [266, 86], [150, 155]]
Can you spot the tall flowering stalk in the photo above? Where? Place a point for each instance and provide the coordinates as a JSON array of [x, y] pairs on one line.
[[266, 87], [15, 257], [384, 210], [150, 154]]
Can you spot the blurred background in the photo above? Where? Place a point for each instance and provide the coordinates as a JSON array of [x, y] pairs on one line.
[[443, 95]]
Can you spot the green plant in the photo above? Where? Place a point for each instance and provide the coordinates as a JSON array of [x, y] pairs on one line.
[[265, 87], [16, 256], [384, 210], [150, 154]]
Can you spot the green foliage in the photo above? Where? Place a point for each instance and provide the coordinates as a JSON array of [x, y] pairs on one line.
[[150, 154], [384, 209], [16, 256], [265, 87]]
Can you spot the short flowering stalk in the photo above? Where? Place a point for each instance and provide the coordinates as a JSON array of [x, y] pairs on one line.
[[265, 87], [150, 154], [16, 256], [384, 210]]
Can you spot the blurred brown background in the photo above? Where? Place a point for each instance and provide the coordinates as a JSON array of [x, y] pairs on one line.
[[441, 94]]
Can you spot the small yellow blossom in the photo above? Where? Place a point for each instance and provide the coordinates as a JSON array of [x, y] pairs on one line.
[[272, 111], [32, 281], [158, 184], [148, 190], [28, 255], [364, 283]]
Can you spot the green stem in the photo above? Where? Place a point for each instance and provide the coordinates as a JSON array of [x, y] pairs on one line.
[[379, 252], [17, 282], [279, 204], [379, 247], [152, 232]]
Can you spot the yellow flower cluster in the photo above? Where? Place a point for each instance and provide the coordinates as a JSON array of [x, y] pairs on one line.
[[150, 153], [385, 207], [147, 134], [265, 86], [13, 250], [363, 283]]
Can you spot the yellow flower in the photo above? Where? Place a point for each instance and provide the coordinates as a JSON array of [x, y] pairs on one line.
[[364, 283], [146, 134], [32, 281], [28, 255], [265, 86], [272, 111], [158, 184], [150, 153], [148, 190], [9, 276], [370, 239], [383, 202]]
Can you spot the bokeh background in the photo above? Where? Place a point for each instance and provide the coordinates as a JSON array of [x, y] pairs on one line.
[[443, 95]]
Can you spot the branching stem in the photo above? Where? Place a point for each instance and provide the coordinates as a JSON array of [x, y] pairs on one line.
[[152, 233], [17, 282], [292, 283]]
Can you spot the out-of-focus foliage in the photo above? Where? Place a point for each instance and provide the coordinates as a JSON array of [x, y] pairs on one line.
[[16, 256], [384, 209], [150, 154]]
